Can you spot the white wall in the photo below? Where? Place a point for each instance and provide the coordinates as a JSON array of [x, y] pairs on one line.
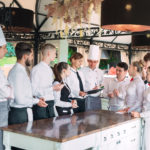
[[62, 46]]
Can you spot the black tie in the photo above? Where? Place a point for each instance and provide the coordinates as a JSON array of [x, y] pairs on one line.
[[80, 82]]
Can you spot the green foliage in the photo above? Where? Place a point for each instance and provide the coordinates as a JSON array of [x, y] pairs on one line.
[[112, 61], [7, 60], [71, 51], [10, 56], [11, 50]]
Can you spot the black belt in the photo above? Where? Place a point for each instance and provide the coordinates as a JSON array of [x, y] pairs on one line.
[[20, 108]]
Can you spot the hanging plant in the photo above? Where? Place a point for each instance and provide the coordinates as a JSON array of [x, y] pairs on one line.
[[73, 11]]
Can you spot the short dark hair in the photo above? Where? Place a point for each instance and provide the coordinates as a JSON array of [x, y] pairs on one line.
[[22, 49], [123, 65], [147, 57], [76, 56]]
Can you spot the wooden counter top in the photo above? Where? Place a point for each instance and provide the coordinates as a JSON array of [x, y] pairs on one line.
[[65, 128]]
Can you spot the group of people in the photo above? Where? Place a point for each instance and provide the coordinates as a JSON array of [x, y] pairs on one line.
[[47, 92], [131, 95]]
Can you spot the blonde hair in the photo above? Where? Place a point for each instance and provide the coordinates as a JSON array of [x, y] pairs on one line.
[[139, 65], [47, 47]]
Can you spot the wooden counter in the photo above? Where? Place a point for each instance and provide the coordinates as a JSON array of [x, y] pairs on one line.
[[93, 129]]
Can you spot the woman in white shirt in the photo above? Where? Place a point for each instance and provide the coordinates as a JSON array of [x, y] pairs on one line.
[[76, 82], [62, 102], [145, 114], [135, 89]]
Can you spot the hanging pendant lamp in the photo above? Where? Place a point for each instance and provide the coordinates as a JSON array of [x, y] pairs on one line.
[[141, 41], [16, 19], [125, 15]]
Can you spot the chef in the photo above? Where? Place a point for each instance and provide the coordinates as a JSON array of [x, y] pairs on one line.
[[21, 107], [42, 83], [6, 91], [115, 88], [76, 82], [93, 78]]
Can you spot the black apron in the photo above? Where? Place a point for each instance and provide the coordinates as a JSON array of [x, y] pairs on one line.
[[44, 112], [17, 115], [64, 96], [81, 105]]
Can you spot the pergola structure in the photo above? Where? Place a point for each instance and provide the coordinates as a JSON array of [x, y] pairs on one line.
[[106, 39]]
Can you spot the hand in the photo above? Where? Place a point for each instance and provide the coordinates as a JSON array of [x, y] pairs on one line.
[[74, 104], [111, 95], [96, 87], [135, 114], [124, 110], [81, 93], [42, 103], [116, 92], [58, 87]]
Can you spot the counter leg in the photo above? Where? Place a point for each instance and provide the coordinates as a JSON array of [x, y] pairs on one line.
[[6, 141]]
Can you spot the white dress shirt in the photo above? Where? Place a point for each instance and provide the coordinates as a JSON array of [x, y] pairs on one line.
[[73, 82], [112, 83], [42, 79], [57, 96], [146, 117], [6, 91], [135, 94], [92, 78], [20, 82], [146, 104]]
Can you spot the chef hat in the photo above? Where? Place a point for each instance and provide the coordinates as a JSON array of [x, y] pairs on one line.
[[93, 52], [2, 38]]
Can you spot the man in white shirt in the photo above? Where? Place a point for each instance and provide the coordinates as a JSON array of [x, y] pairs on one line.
[[93, 78], [20, 108], [115, 88], [42, 83], [6, 92]]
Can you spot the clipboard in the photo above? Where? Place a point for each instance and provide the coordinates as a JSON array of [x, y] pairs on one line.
[[95, 91]]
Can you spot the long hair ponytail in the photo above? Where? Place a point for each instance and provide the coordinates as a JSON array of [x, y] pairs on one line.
[[58, 68]]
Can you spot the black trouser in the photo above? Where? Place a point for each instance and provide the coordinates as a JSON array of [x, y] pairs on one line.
[[63, 110], [44, 112], [81, 105], [17, 115]]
